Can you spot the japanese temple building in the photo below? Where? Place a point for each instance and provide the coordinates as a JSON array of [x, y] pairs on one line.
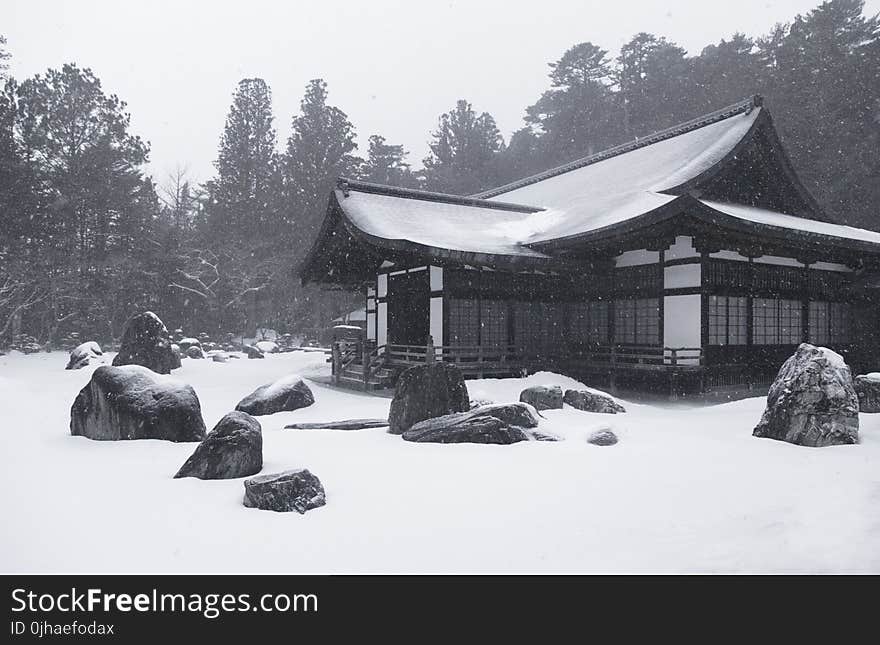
[[693, 258]]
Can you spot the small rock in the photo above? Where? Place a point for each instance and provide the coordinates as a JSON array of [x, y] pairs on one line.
[[603, 437], [543, 397], [291, 490], [267, 346], [587, 401], [220, 357], [234, 448]]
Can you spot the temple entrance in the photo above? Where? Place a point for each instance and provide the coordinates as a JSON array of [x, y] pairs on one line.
[[408, 308]]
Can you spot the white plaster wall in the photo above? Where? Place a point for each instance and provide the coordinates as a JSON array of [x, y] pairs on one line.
[[436, 278], [635, 258], [382, 323], [729, 255], [681, 275], [371, 326], [780, 261], [382, 283], [681, 321], [830, 266], [682, 248], [435, 327]]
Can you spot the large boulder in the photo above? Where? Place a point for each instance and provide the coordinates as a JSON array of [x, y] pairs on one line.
[[234, 448], [291, 490], [867, 388], [288, 393], [86, 354], [592, 402], [498, 424], [186, 343], [146, 342], [133, 402], [424, 392], [543, 397], [812, 402]]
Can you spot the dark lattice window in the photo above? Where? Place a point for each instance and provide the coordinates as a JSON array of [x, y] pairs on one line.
[[778, 279], [589, 322], [828, 284], [493, 323], [829, 323], [728, 320], [463, 322], [637, 321], [646, 278], [731, 274], [776, 321], [527, 326]]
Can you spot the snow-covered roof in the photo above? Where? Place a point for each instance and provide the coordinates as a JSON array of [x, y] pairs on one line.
[[617, 188], [604, 195], [457, 226], [782, 220]]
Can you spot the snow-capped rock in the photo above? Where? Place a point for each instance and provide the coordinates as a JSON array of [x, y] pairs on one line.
[[588, 401], [87, 353], [267, 346], [291, 490], [146, 342], [288, 393], [867, 387], [252, 352], [812, 402], [543, 397], [234, 448], [133, 402]]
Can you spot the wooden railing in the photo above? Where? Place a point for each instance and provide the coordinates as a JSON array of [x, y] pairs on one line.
[[513, 357]]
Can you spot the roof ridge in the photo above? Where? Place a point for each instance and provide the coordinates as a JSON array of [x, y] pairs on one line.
[[344, 184], [741, 107]]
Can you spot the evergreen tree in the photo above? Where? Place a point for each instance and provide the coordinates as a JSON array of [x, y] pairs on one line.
[[576, 115], [320, 149], [385, 164], [464, 151]]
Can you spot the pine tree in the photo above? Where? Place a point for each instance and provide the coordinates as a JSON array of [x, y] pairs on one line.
[[385, 164], [464, 151], [576, 115]]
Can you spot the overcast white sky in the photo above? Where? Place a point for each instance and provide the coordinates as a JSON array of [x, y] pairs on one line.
[[392, 65]]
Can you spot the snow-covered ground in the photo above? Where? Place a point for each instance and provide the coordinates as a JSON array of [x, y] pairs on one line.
[[685, 490]]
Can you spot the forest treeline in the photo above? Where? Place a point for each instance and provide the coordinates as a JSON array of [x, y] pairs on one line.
[[88, 238]]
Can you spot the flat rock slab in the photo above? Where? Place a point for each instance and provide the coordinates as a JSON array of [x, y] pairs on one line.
[[285, 394], [349, 424], [494, 424], [133, 402], [234, 448], [291, 490]]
